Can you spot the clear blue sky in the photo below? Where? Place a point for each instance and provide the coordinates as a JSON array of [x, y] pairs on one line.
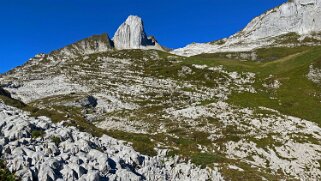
[[29, 27]]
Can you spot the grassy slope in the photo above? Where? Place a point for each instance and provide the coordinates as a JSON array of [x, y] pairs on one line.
[[296, 95]]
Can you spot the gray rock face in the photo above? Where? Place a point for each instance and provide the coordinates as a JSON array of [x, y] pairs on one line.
[[297, 16], [301, 17], [131, 35]]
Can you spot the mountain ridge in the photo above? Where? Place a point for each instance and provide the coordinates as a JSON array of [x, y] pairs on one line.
[[133, 37], [298, 16]]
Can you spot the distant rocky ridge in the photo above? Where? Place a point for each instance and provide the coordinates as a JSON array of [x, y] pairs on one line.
[[93, 44], [296, 17], [130, 35]]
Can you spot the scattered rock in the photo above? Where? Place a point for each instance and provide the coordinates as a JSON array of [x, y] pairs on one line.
[[88, 102], [77, 157]]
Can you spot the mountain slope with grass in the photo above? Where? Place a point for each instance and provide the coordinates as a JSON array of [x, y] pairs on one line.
[[95, 112]]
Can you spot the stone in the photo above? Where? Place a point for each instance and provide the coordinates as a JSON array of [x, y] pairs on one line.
[[25, 174], [46, 173], [68, 173], [90, 176], [131, 35], [89, 101]]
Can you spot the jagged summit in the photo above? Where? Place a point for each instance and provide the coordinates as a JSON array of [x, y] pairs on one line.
[[131, 35], [296, 16], [299, 17]]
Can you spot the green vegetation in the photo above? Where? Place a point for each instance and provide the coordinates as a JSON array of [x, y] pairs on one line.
[[173, 68], [250, 173], [56, 140], [317, 63], [265, 142], [5, 174], [206, 159], [290, 38], [12, 102], [141, 142], [37, 133], [276, 53], [295, 96], [261, 55]]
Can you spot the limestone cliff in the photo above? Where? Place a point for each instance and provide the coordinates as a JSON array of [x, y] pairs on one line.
[[298, 18], [131, 35]]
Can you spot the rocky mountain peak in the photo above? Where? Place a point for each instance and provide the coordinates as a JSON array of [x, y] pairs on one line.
[[131, 35], [295, 16], [299, 17]]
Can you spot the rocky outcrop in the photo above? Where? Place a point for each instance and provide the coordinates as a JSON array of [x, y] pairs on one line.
[[296, 16], [131, 35], [89, 101], [314, 74], [65, 153], [299, 17], [93, 44]]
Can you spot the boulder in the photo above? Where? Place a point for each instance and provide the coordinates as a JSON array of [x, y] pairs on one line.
[[89, 101]]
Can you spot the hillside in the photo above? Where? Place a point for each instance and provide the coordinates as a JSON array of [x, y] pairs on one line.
[[206, 108], [126, 109]]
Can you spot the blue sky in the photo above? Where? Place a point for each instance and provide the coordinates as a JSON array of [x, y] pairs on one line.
[[29, 27]]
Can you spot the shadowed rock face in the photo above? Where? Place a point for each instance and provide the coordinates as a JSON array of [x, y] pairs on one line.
[[131, 35], [4, 93]]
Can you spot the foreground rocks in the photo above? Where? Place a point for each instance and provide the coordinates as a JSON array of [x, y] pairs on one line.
[[64, 153]]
